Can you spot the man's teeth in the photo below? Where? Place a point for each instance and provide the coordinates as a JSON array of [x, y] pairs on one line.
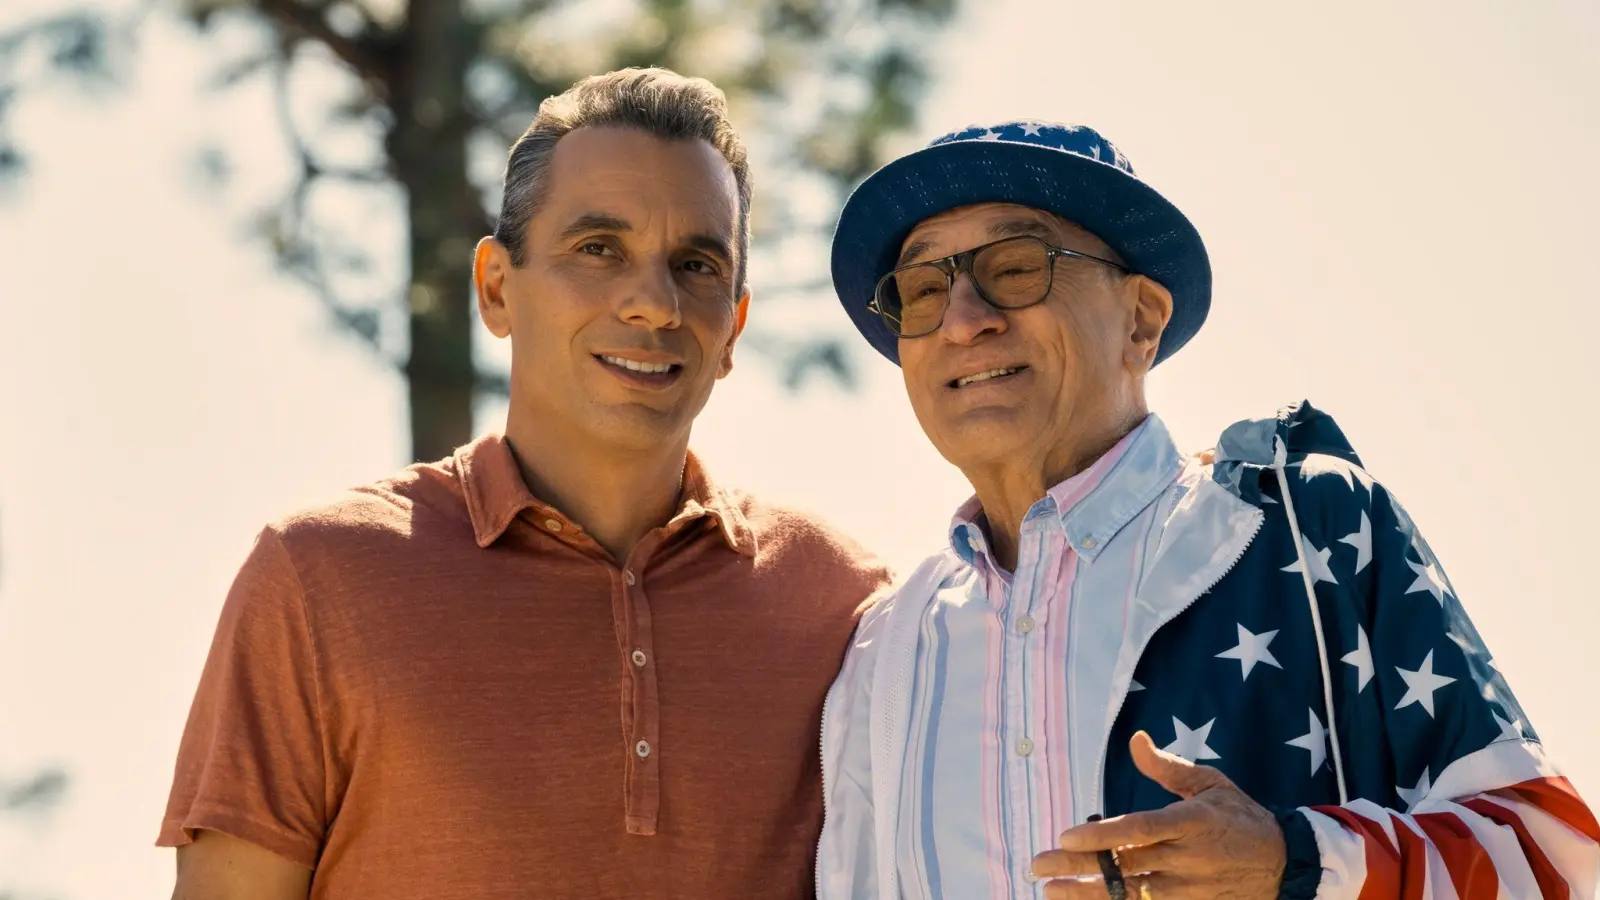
[[965, 380], [652, 368]]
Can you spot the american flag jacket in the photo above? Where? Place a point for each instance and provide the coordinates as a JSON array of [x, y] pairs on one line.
[[1365, 709]]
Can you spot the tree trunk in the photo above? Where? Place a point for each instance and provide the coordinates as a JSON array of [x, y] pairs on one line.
[[429, 147]]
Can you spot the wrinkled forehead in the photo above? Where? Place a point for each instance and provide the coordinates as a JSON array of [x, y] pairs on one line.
[[965, 227]]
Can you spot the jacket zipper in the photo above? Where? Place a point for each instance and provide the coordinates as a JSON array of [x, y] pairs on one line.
[[822, 741], [1105, 749]]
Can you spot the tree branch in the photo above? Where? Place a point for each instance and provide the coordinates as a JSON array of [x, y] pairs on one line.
[[366, 53]]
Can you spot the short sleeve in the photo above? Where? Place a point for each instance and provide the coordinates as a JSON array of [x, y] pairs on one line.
[[251, 760]]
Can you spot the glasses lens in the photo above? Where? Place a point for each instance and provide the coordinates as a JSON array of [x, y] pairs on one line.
[[1013, 273], [913, 299]]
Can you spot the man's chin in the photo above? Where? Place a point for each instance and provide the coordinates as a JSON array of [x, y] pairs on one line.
[[637, 424], [981, 437]]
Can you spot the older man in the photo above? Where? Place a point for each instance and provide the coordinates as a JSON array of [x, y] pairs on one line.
[[1331, 724], [561, 662]]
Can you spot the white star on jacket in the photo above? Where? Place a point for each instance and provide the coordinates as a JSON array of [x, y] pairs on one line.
[[1429, 579], [1509, 731], [1361, 658], [1323, 464], [1362, 541], [1252, 648], [1412, 796], [1318, 560], [1421, 684], [1315, 740], [1191, 742]]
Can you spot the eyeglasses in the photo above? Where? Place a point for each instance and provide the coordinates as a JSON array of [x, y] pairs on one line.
[[1011, 273]]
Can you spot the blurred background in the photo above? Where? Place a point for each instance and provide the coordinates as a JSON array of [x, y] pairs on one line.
[[234, 250]]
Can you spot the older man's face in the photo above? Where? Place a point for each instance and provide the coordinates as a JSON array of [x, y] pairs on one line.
[[1068, 357]]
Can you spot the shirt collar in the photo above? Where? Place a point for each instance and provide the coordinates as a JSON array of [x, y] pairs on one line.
[[1093, 505], [496, 494]]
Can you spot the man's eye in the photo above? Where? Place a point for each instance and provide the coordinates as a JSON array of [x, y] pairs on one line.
[[595, 248], [699, 267]]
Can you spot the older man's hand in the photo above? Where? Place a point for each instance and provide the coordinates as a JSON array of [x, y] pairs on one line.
[[1214, 842]]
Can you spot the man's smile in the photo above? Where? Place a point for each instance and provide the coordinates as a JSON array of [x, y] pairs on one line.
[[988, 376]]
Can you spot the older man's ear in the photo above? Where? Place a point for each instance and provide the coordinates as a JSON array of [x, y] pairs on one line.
[[1152, 309]]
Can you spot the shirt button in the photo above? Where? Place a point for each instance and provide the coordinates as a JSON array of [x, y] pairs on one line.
[[638, 658], [1025, 624], [552, 525], [1089, 543], [627, 575], [642, 748], [1024, 747]]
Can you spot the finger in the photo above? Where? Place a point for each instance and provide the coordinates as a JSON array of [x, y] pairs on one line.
[[1132, 830], [1164, 857], [1172, 772], [1077, 889], [1167, 887], [1064, 863]]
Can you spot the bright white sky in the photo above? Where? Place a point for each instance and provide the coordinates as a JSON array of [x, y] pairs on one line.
[[1399, 206]]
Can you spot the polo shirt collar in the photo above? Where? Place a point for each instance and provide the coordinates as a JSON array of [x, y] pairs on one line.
[[496, 494]]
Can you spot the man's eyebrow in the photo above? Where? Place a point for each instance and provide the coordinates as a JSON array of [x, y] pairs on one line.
[[912, 251], [593, 221], [713, 245], [1015, 227], [1005, 229]]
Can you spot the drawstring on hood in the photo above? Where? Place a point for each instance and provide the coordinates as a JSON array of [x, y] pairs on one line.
[[1280, 459], [1260, 444]]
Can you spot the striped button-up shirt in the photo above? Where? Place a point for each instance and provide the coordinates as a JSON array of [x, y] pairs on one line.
[[986, 777]]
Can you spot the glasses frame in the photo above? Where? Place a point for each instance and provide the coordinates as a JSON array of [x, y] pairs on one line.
[[957, 263]]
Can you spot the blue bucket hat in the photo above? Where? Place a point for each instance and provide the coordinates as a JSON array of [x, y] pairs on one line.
[[1068, 170]]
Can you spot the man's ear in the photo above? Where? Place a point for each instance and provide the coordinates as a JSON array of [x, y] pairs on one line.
[[491, 265], [740, 312], [1152, 309]]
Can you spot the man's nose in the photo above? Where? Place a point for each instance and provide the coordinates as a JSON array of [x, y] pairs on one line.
[[652, 298], [969, 317]]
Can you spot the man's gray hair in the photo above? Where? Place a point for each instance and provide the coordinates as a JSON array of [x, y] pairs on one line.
[[659, 102]]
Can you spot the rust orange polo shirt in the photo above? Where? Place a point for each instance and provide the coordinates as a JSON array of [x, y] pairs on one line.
[[440, 687]]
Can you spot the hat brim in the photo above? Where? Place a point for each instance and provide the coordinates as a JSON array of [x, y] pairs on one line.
[[1150, 234]]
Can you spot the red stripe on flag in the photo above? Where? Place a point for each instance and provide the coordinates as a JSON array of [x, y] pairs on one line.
[[1551, 883], [1559, 798], [1385, 877], [1471, 869]]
